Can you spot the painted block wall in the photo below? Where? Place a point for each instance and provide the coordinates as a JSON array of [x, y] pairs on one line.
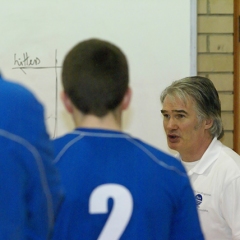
[[215, 54]]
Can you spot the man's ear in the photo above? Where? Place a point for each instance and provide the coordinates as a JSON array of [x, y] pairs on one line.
[[126, 99], [67, 102], [208, 123]]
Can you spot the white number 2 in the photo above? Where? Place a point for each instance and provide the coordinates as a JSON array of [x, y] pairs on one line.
[[121, 211]]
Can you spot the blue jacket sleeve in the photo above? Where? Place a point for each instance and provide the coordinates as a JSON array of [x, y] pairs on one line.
[[30, 191]]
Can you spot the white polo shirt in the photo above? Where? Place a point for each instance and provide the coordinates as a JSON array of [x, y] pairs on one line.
[[216, 183]]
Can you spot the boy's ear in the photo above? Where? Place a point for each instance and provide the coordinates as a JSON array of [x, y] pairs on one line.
[[126, 99], [67, 102]]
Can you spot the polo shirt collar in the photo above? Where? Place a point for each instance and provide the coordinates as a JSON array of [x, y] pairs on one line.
[[210, 156]]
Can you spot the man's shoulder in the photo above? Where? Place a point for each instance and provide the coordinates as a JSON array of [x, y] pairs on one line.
[[225, 155], [227, 164], [231, 156]]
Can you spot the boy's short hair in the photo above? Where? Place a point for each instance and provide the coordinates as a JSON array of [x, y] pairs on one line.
[[95, 76]]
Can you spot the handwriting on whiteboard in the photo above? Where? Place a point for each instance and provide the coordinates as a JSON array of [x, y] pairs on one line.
[[25, 61]]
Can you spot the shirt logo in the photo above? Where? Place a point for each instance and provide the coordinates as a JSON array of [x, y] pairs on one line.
[[198, 199]]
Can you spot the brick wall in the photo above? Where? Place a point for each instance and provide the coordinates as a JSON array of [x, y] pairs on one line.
[[215, 54]]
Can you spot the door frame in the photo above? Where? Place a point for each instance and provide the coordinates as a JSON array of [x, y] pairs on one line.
[[236, 82]]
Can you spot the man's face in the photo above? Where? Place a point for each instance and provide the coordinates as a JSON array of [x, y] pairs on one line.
[[183, 129]]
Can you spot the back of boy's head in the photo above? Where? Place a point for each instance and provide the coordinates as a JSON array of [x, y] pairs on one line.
[[95, 76]]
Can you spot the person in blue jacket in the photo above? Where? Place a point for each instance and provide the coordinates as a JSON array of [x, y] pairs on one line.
[[117, 186], [30, 190]]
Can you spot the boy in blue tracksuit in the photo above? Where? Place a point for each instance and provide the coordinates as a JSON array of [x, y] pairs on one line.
[[117, 187]]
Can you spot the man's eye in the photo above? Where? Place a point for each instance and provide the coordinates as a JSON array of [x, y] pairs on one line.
[[179, 116], [165, 115]]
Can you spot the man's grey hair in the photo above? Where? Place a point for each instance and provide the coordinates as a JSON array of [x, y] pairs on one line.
[[202, 91]]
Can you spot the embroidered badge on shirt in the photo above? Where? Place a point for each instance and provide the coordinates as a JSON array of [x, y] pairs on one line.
[[198, 199]]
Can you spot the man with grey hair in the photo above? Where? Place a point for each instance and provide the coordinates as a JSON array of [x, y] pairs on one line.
[[192, 122]]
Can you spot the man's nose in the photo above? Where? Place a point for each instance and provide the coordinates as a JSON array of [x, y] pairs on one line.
[[171, 124]]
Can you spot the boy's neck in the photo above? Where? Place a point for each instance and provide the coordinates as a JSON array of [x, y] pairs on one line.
[[111, 121]]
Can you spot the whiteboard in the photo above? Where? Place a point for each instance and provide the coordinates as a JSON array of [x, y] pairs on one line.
[[155, 35]]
